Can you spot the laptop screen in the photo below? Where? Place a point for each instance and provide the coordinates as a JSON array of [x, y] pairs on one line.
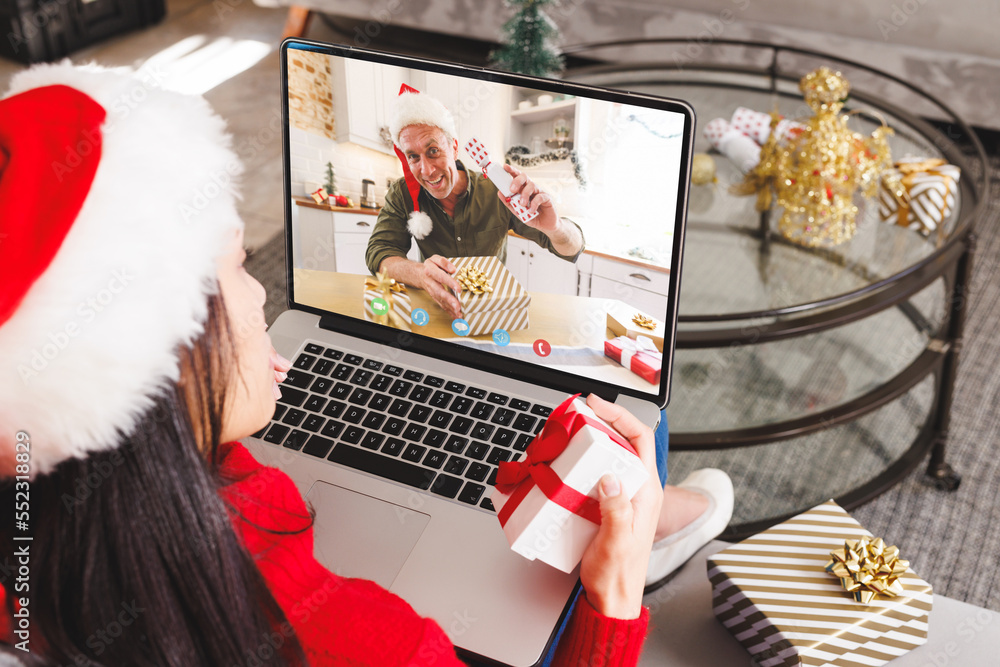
[[523, 224]]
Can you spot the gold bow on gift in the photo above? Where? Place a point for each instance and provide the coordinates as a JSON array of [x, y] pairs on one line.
[[867, 567], [900, 183], [386, 286]]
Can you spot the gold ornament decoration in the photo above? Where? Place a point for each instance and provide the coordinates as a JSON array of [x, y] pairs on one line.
[[815, 175], [867, 567], [642, 321], [702, 169], [474, 280]]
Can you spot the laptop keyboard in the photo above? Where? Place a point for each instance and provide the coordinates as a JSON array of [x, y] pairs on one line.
[[424, 431]]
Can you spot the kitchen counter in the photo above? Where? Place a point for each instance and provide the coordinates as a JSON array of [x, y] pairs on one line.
[[309, 203]]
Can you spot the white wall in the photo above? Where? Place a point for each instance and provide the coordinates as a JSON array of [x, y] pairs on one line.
[[351, 163]]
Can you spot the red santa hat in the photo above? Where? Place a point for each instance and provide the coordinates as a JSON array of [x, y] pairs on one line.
[[116, 199], [416, 108]]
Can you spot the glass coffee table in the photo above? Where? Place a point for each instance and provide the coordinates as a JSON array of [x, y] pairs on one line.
[[805, 373]]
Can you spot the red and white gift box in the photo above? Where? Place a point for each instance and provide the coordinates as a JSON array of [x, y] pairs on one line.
[[757, 125], [547, 500], [639, 356], [732, 143]]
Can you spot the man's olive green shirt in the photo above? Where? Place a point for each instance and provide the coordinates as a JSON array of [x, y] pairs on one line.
[[478, 228]]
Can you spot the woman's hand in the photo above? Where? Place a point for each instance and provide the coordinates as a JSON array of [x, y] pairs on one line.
[[613, 570], [281, 366]]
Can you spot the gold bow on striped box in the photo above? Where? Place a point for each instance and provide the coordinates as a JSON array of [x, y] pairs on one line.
[[773, 594], [503, 306], [919, 193]]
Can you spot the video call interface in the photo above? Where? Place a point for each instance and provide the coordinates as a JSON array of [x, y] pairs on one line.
[[546, 221]]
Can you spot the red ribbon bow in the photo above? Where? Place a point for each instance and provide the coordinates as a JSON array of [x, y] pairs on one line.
[[517, 478]]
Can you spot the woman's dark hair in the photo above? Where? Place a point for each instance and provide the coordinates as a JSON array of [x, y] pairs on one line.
[[134, 559]]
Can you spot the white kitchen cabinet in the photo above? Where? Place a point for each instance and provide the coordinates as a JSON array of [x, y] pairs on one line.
[[643, 288], [363, 96], [335, 240], [539, 270]]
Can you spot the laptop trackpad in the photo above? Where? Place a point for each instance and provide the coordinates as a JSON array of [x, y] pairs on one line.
[[360, 536]]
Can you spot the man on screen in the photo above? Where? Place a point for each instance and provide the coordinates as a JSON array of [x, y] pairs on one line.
[[449, 210]]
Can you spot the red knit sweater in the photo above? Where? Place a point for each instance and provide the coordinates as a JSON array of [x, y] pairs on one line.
[[342, 621]]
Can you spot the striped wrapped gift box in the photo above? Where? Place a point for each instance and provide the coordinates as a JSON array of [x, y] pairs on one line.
[[931, 194], [772, 593], [506, 307]]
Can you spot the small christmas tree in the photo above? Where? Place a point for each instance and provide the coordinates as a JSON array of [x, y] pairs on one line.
[[331, 180], [529, 41]]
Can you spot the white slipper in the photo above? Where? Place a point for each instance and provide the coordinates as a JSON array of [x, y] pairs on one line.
[[674, 550]]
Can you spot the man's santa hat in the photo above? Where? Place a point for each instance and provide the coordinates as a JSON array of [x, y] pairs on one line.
[[116, 199], [416, 108]]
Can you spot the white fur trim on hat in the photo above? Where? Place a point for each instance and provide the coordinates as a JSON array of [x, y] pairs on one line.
[[96, 336], [420, 109], [419, 224]]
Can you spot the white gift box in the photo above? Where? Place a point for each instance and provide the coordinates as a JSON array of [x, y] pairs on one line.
[[538, 528]]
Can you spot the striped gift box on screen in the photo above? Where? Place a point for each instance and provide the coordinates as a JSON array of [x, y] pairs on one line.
[[506, 307], [772, 593]]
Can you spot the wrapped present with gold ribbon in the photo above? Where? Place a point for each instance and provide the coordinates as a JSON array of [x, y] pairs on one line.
[[624, 320], [491, 297], [819, 589], [919, 193], [387, 302]]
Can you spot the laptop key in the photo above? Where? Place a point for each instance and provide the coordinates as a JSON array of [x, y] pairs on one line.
[[296, 439], [313, 423], [341, 390], [497, 455], [420, 393], [354, 414], [456, 444], [414, 432], [383, 466], [279, 410], [482, 431], [492, 481], [413, 376], [440, 419], [401, 388], [503, 416], [419, 413], [332, 429], [399, 407], [475, 392], [318, 446], [434, 459], [435, 438], [341, 372], [455, 465], [461, 405], [518, 404], [461, 425], [477, 471], [380, 402], [481, 411], [446, 485], [360, 396], [293, 417], [324, 366], [414, 453], [456, 387], [259, 433], [372, 365], [541, 410], [321, 385], [334, 409], [393, 447], [487, 504], [313, 348], [333, 354], [276, 434], [434, 381], [441, 399], [522, 442], [361, 377], [304, 361], [478, 451], [353, 434], [297, 378], [373, 420], [499, 399], [395, 371], [315, 404], [381, 382], [503, 437], [471, 493], [372, 440], [353, 359], [525, 422], [394, 426]]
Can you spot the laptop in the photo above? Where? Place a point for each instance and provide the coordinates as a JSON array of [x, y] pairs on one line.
[[393, 428]]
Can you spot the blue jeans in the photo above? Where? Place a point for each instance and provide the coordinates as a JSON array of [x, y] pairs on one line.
[[662, 446]]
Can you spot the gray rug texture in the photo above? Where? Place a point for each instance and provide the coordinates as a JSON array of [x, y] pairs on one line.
[[951, 539]]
